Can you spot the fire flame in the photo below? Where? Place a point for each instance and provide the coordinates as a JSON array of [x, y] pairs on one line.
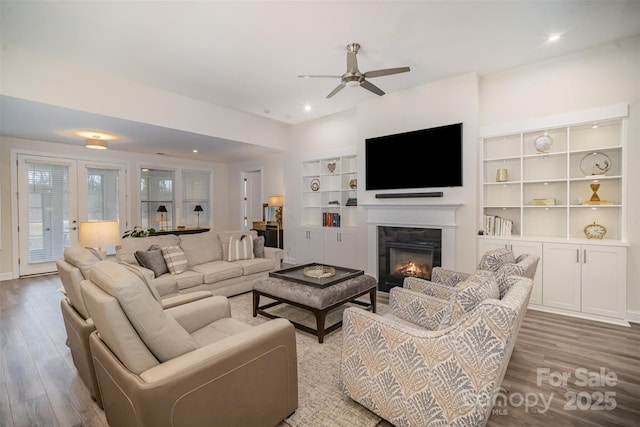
[[413, 269]]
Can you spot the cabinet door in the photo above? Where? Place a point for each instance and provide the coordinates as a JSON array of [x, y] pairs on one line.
[[534, 248], [485, 245], [561, 276], [309, 246], [339, 248], [604, 279]]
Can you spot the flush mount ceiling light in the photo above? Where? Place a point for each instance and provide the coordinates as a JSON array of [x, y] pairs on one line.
[[554, 37], [96, 144]]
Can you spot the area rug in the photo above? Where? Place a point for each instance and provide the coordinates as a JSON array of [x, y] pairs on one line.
[[320, 400]]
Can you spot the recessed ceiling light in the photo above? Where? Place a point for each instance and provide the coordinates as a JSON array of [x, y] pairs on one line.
[[554, 37], [595, 125], [307, 107], [195, 150]]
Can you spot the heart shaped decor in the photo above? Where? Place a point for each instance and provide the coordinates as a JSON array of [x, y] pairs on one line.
[[331, 166]]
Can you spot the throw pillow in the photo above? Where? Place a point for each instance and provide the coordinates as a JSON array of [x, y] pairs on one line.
[[240, 248], [258, 247], [175, 259], [152, 259]]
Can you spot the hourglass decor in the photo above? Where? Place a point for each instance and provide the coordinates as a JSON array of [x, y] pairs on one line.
[[595, 199]]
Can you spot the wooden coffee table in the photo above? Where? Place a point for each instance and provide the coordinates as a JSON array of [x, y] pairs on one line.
[[319, 296]]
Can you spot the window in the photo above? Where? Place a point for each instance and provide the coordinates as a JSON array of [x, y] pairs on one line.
[[195, 192], [156, 190]]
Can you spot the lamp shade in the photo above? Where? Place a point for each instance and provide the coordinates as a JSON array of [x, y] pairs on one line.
[[277, 201], [198, 209], [97, 144], [97, 234], [162, 208]]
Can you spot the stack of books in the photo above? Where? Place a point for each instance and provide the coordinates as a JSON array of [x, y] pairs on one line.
[[330, 219], [497, 226], [352, 201]]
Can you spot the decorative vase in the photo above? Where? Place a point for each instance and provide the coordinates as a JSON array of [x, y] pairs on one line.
[[501, 175], [353, 184]]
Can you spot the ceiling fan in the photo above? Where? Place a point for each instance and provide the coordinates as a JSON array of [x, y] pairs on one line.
[[353, 76]]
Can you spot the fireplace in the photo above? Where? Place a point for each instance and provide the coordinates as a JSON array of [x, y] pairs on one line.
[[407, 252]]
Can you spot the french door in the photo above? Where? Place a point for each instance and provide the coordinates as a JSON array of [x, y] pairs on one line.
[[54, 195]]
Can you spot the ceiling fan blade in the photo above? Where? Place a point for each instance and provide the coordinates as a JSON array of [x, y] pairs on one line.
[[308, 76], [371, 87], [336, 90], [352, 63], [386, 72]]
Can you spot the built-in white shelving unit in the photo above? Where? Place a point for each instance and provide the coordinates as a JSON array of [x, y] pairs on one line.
[[546, 197], [328, 185]]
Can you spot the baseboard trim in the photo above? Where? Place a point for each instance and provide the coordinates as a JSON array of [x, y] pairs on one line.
[[610, 320], [6, 276], [633, 316]]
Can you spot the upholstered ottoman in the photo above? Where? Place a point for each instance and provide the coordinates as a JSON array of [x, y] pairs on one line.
[[319, 301]]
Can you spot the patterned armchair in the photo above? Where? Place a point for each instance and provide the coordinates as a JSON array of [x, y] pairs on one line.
[[501, 262], [413, 367]]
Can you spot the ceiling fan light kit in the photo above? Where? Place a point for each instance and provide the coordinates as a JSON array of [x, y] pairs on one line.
[[353, 77]]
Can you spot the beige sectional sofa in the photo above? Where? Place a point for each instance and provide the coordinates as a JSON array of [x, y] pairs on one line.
[[208, 268]]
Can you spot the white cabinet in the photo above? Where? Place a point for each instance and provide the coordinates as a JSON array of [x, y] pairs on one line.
[[586, 278], [518, 247], [340, 248], [309, 245], [604, 280], [561, 276], [548, 196]]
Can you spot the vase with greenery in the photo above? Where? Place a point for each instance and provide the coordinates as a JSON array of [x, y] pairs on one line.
[[138, 231]]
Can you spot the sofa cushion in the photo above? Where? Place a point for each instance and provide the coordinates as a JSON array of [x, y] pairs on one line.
[[125, 251], [200, 248], [216, 271], [152, 259], [255, 265], [175, 258], [160, 332], [224, 237], [241, 248], [83, 258], [479, 286], [258, 247]]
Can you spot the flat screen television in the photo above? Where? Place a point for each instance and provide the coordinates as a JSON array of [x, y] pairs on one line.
[[425, 158]]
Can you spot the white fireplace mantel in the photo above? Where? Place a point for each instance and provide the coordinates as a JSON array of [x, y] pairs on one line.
[[434, 215]]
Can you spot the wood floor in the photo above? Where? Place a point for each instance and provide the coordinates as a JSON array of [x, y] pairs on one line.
[[39, 385]]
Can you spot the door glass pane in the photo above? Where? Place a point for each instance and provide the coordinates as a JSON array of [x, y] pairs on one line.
[[195, 191], [102, 194], [48, 211]]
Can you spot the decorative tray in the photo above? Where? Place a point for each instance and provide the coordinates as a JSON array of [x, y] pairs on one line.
[[319, 271], [299, 274]]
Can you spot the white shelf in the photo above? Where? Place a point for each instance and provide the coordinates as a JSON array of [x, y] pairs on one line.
[[556, 175], [334, 177]]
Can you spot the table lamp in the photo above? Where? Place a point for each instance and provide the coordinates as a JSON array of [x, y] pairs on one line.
[[98, 234], [162, 209], [197, 210], [278, 202]]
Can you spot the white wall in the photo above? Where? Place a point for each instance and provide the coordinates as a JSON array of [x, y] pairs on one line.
[[602, 76]]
